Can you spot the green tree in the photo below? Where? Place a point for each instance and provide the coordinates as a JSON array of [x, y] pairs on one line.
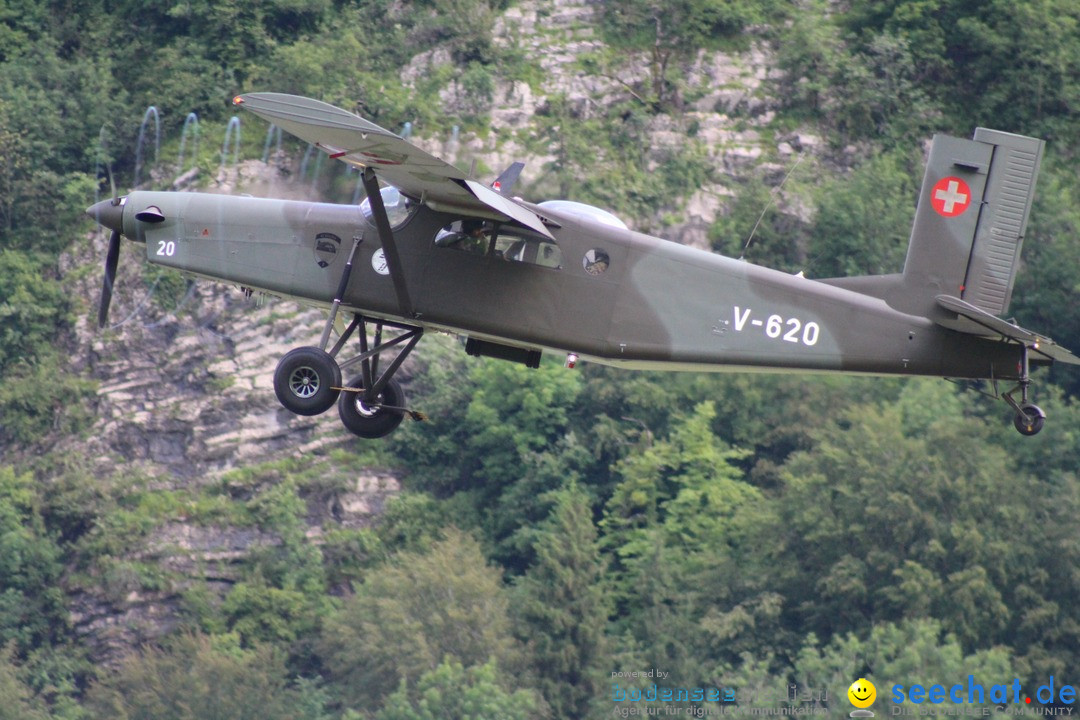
[[1004, 64], [410, 616], [199, 678], [903, 653], [672, 32], [679, 526], [563, 609], [32, 610], [32, 309], [464, 26], [754, 228], [484, 449], [864, 220], [903, 511], [283, 596], [452, 692], [17, 701], [809, 53], [687, 485]]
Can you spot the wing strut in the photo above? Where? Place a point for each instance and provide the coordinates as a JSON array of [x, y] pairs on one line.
[[386, 237]]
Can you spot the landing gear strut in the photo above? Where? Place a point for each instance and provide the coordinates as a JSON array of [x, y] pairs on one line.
[[373, 404], [1030, 418], [307, 381]]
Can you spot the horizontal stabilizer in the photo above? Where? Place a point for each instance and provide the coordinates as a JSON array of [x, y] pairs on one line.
[[971, 320]]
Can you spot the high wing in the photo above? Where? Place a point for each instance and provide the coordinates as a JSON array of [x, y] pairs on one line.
[[966, 318], [351, 139]]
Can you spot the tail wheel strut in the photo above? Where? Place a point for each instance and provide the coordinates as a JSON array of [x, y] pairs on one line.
[[1030, 418]]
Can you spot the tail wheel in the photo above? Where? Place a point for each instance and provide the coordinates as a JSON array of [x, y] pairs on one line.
[[374, 420], [305, 381], [1030, 419]]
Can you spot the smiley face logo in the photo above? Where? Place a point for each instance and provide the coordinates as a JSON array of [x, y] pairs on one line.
[[862, 693]]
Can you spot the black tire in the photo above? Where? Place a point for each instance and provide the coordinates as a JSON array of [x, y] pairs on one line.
[[304, 381], [368, 422], [1032, 426]]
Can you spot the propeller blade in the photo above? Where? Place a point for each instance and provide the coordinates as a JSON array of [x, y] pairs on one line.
[[111, 258]]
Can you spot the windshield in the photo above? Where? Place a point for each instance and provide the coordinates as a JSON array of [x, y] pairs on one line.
[[398, 207]]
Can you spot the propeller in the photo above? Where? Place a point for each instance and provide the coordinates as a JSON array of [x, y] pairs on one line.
[[109, 214], [111, 258]]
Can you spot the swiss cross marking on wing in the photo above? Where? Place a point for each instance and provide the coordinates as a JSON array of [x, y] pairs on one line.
[[950, 196]]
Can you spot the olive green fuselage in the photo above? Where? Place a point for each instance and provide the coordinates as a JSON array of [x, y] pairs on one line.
[[657, 304]]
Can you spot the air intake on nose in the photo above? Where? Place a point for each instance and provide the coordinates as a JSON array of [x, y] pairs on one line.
[[151, 214]]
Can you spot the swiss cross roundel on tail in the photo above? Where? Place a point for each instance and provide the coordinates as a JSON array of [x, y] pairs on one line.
[[950, 196]]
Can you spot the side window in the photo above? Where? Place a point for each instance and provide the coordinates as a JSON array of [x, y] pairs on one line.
[[518, 248], [475, 237]]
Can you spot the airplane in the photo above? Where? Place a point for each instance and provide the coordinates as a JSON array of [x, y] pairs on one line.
[[432, 249]]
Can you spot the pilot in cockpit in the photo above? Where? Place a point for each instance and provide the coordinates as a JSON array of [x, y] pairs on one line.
[[471, 237]]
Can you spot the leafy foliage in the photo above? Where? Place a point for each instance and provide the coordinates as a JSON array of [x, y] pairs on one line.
[[453, 692], [199, 678], [863, 221], [672, 32], [410, 616], [32, 611], [562, 606]]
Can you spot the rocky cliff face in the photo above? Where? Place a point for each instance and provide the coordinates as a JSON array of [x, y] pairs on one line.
[[184, 372]]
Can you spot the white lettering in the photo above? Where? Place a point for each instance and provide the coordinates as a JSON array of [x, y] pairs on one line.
[[797, 331], [792, 335], [774, 326], [741, 321]]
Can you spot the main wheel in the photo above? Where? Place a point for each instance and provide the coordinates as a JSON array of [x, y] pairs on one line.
[[372, 421], [305, 379], [1033, 425]]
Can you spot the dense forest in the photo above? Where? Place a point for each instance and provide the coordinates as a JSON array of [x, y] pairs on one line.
[[556, 528]]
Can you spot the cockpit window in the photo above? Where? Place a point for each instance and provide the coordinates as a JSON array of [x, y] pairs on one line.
[[484, 238], [517, 248], [399, 208], [472, 236]]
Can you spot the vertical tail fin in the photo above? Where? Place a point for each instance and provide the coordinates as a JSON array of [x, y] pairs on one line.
[[508, 178], [973, 210]]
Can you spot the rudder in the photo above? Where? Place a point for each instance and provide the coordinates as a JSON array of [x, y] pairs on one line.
[[1010, 190]]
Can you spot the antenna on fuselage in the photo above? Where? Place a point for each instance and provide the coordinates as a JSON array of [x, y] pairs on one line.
[[772, 198]]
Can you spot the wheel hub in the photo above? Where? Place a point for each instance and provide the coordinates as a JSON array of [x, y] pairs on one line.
[[304, 382], [366, 410]]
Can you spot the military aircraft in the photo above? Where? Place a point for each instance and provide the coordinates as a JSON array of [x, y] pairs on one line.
[[434, 249]]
